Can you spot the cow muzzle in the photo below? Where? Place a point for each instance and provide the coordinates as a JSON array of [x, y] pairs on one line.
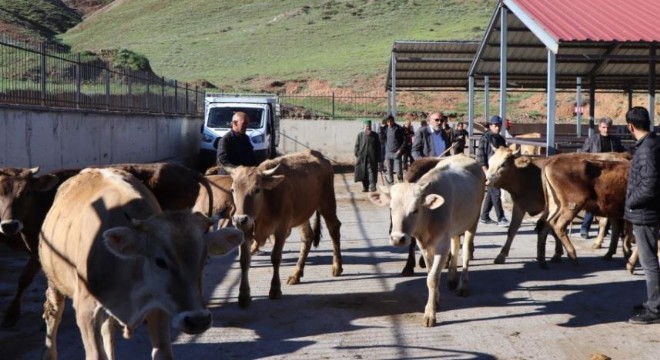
[[193, 322], [399, 239], [242, 222], [11, 227]]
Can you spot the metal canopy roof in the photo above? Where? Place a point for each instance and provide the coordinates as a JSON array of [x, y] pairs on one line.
[[609, 43], [431, 65]]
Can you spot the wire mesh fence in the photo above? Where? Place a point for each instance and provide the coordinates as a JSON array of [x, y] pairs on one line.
[[49, 75], [332, 106]]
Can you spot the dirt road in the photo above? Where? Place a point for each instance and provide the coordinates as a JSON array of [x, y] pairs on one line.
[[514, 311]]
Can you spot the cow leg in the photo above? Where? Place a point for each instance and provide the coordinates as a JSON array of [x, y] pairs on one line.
[[602, 225], [453, 262], [435, 263], [245, 258], [516, 219], [468, 243], [53, 309], [158, 324], [409, 269], [108, 334], [559, 250], [329, 212], [27, 276], [543, 229], [632, 261], [276, 260], [559, 224], [306, 235], [89, 322], [617, 230]]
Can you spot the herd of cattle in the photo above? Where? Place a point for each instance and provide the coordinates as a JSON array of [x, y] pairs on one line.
[[128, 243]]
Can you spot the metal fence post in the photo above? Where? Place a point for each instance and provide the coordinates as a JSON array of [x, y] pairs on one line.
[[333, 104], [186, 99], [162, 94], [107, 89], [129, 82], [196, 97], [42, 73], [78, 80], [176, 97]]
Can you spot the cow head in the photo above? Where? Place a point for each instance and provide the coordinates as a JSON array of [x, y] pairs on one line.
[[407, 202], [248, 186], [18, 188], [499, 163], [173, 247]]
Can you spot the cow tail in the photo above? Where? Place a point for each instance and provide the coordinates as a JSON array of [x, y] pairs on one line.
[[316, 229], [207, 186]]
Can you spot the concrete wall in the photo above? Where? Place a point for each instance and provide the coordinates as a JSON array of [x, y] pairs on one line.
[[60, 138]]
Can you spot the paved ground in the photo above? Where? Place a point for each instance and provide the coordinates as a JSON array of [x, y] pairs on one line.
[[514, 311]]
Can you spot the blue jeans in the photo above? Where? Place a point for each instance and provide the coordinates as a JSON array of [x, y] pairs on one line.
[[393, 161], [586, 223], [647, 237]]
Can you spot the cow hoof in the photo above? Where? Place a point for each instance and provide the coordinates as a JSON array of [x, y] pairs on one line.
[[631, 268], [244, 301], [556, 259], [463, 292], [337, 270], [293, 280], [275, 294], [429, 321], [607, 257], [500, 259], [407, 272], [595, 246], [453, 284]]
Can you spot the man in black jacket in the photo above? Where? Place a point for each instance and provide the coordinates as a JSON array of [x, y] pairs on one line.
[[235, 148], [599, 143], [430, 140], [488, 143], [642, 208]]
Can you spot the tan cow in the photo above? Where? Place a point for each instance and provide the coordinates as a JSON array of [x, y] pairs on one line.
[[436, 210], [221, 199], [275, 197], [572, 182], [123, 271], [24, 201]]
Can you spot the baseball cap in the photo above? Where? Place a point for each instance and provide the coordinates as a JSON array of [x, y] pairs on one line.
[[495, 120]]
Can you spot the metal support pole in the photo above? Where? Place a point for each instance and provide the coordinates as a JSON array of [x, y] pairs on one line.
[[486, 98], [162, 94], [550, 129], [592, 104], [504, 14], [652, 85], [176, 97], [78, 81], [578, 108], [630, 98], [393, 113], [470, 112], [42, 73]]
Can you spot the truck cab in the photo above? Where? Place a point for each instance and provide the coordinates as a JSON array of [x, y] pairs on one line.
[[263, 128]]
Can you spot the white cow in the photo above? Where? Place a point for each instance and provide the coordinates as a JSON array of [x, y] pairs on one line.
[[121, 271], [440, 207]]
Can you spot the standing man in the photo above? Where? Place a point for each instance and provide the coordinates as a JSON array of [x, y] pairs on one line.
[[235, 148], [599, 143], [367, 152], [459, 137], [642, 208], [489, 142], [430, 140], [395, 141]]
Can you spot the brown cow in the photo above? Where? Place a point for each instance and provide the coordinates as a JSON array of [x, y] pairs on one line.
[[572, 182], [123, 271], [221, 197], [24, 202], [275, 197]]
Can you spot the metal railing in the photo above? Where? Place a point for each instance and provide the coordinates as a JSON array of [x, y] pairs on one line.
[[47, 74], [332, 106]]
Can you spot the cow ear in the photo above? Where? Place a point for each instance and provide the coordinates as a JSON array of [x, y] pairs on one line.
[[270, 182], [433, 201], [522, 161], [224, 241], [45, 183], [205, 220], [380, 198], [124, 242]]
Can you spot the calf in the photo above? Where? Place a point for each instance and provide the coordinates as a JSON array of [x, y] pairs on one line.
[[275, 197], [106, 244], [24, 202], [436, 210], [572, 182]]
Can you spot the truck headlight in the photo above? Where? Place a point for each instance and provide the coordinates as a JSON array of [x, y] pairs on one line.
[[258, 139], [207, 138]]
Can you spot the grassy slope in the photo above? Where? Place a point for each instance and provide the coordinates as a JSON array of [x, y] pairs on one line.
[[40, 19], [229, 41]]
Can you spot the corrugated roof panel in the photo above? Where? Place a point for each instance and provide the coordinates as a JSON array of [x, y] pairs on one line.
[[596, 20]]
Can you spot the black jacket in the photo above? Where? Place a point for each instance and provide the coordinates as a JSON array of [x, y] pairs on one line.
[[643, 192], [235, 149], [488, 143]]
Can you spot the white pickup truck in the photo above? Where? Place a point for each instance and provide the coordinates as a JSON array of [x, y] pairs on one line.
[[263, 128]]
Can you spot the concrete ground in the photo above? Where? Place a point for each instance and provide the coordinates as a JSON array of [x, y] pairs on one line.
[[514, 311]]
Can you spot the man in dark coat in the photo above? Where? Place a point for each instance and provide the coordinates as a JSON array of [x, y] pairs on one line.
[[367, 153], [489, 142], [642, 209], [598, 143], [235, 148], [431, 140]]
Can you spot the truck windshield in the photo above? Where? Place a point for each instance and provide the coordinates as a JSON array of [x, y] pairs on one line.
[[220, 117]]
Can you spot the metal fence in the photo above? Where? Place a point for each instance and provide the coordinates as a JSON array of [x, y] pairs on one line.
[[48, 74], [332, 106]]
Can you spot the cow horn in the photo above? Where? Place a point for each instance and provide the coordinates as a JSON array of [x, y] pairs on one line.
[[34, 170], [270, 172]]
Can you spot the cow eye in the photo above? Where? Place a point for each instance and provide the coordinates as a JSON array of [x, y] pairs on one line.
[[161, 263]]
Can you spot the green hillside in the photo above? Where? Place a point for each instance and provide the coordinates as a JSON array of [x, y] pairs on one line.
[[230, 42]]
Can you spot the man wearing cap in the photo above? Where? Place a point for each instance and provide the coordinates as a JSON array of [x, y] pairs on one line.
[[367, 153], [489, 142], [431, 140]]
